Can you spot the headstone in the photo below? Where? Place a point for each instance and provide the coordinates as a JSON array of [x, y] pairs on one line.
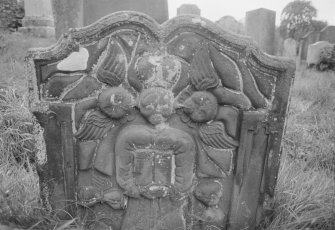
[[328, 34], [176, 126], [290, 48], [38, 19], [310, 38], [188, 9], [94, 10], [68, 14], [229, 23], [260, 26], [314, 51]]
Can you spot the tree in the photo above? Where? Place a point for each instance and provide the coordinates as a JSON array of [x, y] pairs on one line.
[[296, 19], [319, 25]]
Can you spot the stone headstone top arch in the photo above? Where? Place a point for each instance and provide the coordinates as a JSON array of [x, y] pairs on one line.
[[188, 9], [148, 126]]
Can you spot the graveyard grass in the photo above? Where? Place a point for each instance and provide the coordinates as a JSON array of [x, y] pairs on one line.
[[305, 193]]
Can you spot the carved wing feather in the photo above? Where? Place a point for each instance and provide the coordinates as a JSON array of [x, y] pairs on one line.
[[95, 126], [112, 70], [203, 75], [215, 135]]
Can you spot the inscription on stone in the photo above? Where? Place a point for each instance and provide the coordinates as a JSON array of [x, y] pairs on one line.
[[147, 126]]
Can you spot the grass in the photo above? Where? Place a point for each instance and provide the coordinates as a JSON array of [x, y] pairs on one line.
[[305, 192]]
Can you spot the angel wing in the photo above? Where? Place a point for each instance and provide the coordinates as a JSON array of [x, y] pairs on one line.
[[95, 126], [215, 135]]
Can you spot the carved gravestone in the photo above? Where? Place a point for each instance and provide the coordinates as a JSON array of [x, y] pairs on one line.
[[147, 126]]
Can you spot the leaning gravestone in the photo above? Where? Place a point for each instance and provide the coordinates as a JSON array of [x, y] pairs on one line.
[[148, 126]]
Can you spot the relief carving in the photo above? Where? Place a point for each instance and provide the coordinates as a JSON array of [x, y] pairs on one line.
[[159, 122], [151, 158]]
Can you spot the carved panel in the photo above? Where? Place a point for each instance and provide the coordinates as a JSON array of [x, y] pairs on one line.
[[147, 126]]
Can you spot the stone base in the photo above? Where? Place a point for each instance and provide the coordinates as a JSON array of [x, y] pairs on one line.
[[39, 31], [37, 21]]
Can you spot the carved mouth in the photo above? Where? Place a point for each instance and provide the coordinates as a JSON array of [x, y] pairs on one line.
[[156, 119]]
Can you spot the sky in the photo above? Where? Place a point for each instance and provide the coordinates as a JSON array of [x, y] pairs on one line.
[[215, 9]]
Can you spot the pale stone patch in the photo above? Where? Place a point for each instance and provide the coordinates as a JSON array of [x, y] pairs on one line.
[[75, 61]]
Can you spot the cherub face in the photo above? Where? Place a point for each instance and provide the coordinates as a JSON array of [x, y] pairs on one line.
[[115, 102], [201, 106], [156, 104]]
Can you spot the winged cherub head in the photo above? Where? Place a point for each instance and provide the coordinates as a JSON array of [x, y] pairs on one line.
[[201, 106], [115, 102]]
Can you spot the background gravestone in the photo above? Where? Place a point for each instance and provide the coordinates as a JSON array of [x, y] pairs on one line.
[[78, 13], [260, 25], [229, 23], [305, 41], [94, 10], [148, 126], [68, 14], [290, 48], [38, 19], [188, 9], [314, 51]]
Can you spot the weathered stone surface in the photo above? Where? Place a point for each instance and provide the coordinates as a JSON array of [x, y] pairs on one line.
[[56, 85], [260, 25], [188, 9], [173, 126], [38, 19], [83, 89]]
